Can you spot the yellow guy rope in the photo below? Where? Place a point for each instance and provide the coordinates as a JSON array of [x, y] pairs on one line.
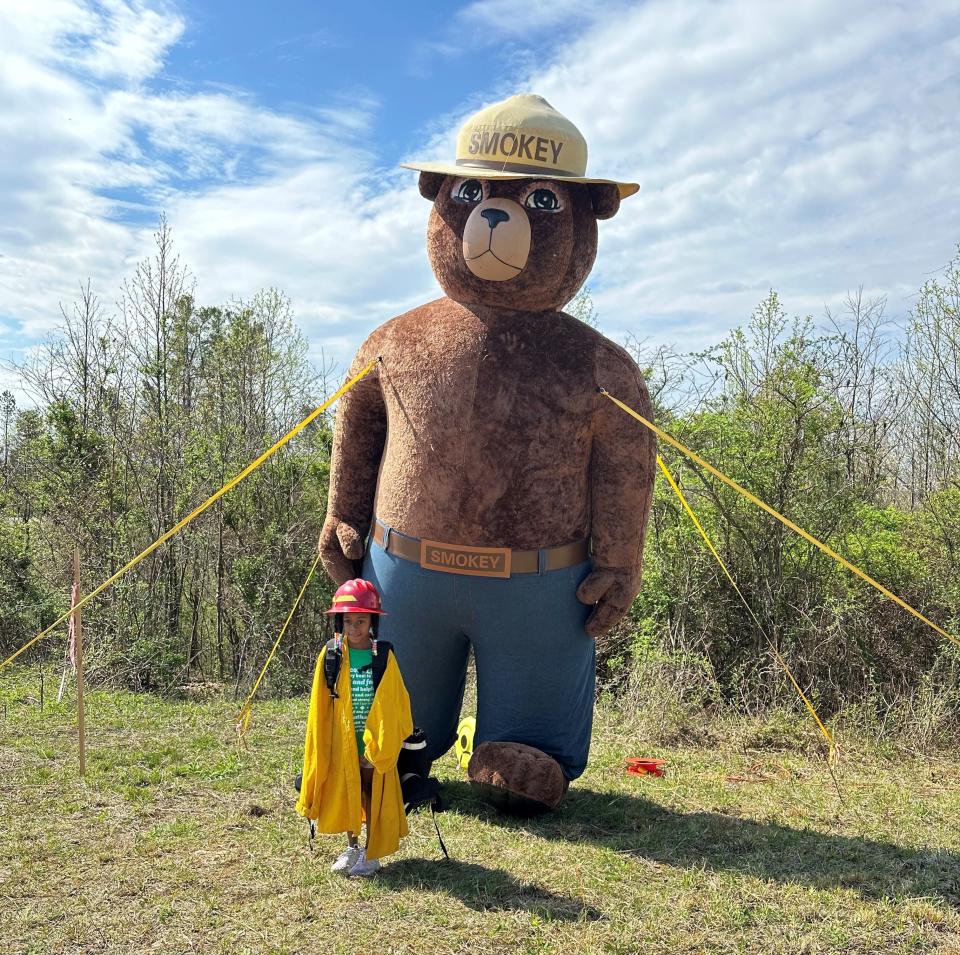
[[243, 718], [783, 520], [198, 510], [831, 744]]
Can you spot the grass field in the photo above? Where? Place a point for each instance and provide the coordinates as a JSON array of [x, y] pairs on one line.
[[177, 842]]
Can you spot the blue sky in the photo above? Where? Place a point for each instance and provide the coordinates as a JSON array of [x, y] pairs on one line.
[[812, 148], [302, 57]]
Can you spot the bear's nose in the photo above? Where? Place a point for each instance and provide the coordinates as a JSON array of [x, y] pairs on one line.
[[494, 217]]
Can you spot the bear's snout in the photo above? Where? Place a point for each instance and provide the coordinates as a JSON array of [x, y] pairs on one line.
[[496, 240]]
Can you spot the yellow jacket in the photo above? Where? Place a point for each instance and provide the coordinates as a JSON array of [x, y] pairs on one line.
[[330, 792]]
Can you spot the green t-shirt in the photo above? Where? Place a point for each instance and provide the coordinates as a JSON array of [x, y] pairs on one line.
[[361, 690]]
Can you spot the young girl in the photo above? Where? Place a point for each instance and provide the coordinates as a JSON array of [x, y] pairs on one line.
[[354, 736]]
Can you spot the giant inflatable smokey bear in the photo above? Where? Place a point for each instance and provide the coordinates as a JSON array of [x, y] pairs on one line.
[[497, 500]]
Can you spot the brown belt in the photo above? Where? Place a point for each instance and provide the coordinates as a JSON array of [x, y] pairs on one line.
[[477, 561]]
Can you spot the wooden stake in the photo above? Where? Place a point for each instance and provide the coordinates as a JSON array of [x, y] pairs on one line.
[[78, 632]]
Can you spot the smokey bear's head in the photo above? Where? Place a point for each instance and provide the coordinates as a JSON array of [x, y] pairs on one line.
[[526, 244]]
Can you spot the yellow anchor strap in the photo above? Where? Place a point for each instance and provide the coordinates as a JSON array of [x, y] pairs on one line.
[[243, 717], [252, 466], [660, 433], [831, 744]]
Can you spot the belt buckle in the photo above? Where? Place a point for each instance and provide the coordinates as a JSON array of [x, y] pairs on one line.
[[461, 559]]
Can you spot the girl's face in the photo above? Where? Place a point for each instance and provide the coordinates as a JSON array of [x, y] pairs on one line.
[[356, 628]]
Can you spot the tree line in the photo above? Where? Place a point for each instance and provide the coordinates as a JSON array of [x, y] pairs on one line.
[[140, 416], [850, 426]]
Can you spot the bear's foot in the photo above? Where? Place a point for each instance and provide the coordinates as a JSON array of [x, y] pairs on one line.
[[517, 779]]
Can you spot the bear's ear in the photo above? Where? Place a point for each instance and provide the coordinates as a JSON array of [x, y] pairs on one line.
[[430, 183], [605, 198]]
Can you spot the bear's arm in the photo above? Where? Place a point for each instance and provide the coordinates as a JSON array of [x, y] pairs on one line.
[[359, 434], [622, 465]]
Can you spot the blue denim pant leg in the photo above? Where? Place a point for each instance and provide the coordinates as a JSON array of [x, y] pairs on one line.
[[535, 662], [424, 622], [536, 669]]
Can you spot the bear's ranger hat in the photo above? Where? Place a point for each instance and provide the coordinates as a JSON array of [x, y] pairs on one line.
[[522, 137]]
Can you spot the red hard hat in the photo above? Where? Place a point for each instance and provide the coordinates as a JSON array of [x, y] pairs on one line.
[[356, 596]]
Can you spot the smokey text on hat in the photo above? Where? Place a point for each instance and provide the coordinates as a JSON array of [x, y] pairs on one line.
[[515, 145]]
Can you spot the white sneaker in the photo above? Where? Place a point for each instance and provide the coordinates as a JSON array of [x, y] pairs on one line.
[[365, 866], [347, 860]]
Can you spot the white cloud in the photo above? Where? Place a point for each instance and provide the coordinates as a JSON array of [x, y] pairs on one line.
[[809, 147], [61, 144], [343, 251], [255, 197], [127, 40], [492, 19]]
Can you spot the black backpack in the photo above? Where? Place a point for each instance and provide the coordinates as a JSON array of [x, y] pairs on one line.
[[419, 788]]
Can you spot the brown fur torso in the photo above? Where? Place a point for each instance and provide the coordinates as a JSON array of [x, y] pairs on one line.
[[490, 416]]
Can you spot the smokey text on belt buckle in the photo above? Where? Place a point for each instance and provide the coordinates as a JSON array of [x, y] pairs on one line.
[[461, 559]]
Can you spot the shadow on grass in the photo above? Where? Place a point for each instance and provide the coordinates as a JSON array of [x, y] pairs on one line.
[[485, 889], [763, 850]]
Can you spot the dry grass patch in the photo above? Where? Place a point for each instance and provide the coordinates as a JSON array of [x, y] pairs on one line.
[[176, 842]]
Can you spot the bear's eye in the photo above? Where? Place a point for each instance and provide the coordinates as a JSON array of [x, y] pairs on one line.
[[543, 200], [470, 190]]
